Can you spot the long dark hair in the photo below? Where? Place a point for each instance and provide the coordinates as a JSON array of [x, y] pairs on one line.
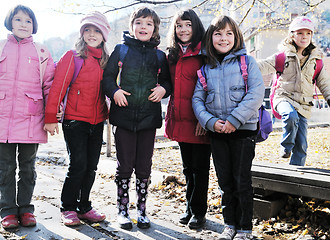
[[219, 23], [197, 33]]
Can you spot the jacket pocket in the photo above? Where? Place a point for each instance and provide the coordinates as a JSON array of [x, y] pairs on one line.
[[237, 93], [34, 104], [2, 101], [3, 64]]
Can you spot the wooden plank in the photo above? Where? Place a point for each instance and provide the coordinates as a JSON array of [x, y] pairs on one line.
[[291, 188], [301, 175], [297, 180]]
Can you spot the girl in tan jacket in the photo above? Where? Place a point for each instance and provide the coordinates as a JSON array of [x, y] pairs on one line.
[[293, 98]]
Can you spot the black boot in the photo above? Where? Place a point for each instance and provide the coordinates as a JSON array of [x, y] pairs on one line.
[[142, 192], [123, 218]]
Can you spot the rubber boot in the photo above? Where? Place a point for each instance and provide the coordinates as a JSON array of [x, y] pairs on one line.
[[123, 217], [142, 192]]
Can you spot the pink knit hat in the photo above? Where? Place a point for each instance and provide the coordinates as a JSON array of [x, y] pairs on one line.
[[96, 19], [301, 23]]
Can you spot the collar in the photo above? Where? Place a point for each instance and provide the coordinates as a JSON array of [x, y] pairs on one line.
[[94, 52], [12, 38], [184, 47]]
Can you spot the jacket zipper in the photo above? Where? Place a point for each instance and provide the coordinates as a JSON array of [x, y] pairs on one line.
[[14, 90], [97, 96], [78, 93], [139, 89]]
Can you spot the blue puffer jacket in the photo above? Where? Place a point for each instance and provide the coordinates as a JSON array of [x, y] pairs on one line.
[[226, 98]]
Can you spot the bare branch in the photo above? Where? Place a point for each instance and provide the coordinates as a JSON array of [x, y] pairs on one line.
[[247, 13], [143, 2]]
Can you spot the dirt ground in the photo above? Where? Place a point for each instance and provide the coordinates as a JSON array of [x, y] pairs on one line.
[[166, 200]]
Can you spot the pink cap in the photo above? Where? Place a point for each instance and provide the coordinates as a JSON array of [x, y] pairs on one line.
[[301, 23], [96, 19]]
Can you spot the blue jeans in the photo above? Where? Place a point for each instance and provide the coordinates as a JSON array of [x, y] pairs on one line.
[[84, 143], [232, 159], [17, 199], [294, 136]]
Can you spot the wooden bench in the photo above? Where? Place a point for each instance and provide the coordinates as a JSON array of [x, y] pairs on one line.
[[289, 179], [273, 182]]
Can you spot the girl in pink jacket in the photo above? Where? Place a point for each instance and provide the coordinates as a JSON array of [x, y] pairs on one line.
[[26, 73]]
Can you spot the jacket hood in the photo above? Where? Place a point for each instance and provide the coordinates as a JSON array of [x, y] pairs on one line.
[[129, 40], [235, 54]]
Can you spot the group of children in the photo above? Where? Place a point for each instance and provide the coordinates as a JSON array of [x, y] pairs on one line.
[[217, 115]]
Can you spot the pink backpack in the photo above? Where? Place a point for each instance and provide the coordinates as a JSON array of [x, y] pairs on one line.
[[279, 67]]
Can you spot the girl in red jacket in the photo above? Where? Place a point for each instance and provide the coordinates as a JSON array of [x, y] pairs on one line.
[[181, 124], [84, 115], [26, 75]]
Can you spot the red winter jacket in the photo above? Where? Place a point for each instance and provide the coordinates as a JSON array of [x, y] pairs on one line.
[[86, 101], [180, 121]]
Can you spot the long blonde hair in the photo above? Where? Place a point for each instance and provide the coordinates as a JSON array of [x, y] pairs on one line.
[[81, 48]]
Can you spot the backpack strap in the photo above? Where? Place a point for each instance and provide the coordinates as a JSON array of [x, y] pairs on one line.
[[2, 45], [318, 68], [123, 49], [243, 67], [43, 55], [78, 62], [201, 76], [160, 59], [279, 63]]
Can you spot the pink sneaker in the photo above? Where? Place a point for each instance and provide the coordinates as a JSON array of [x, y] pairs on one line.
[[92, 216], [10, 221], [70, 218], [28, 220]]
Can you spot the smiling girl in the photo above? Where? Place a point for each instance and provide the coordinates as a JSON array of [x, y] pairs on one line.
[[229, 111], [135, 111], [84, 115], [25, 80], [181, 125], [293, 98]]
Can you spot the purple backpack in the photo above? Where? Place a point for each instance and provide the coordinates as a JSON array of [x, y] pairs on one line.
[[78, 62], [265, 125]]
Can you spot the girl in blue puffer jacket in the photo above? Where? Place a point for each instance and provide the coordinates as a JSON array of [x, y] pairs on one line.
[[229, 110]]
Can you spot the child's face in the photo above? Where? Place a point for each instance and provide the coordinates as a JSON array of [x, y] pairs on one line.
[[22, 25], [143, 28], [302, 38], [183, 30], [92, 36], [223, 40]]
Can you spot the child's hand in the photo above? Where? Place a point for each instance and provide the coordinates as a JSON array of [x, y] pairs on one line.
[[199, 130], [59, 114], [120, 98], [157, 94], [228, 128], [218, 126], [51, 128]]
